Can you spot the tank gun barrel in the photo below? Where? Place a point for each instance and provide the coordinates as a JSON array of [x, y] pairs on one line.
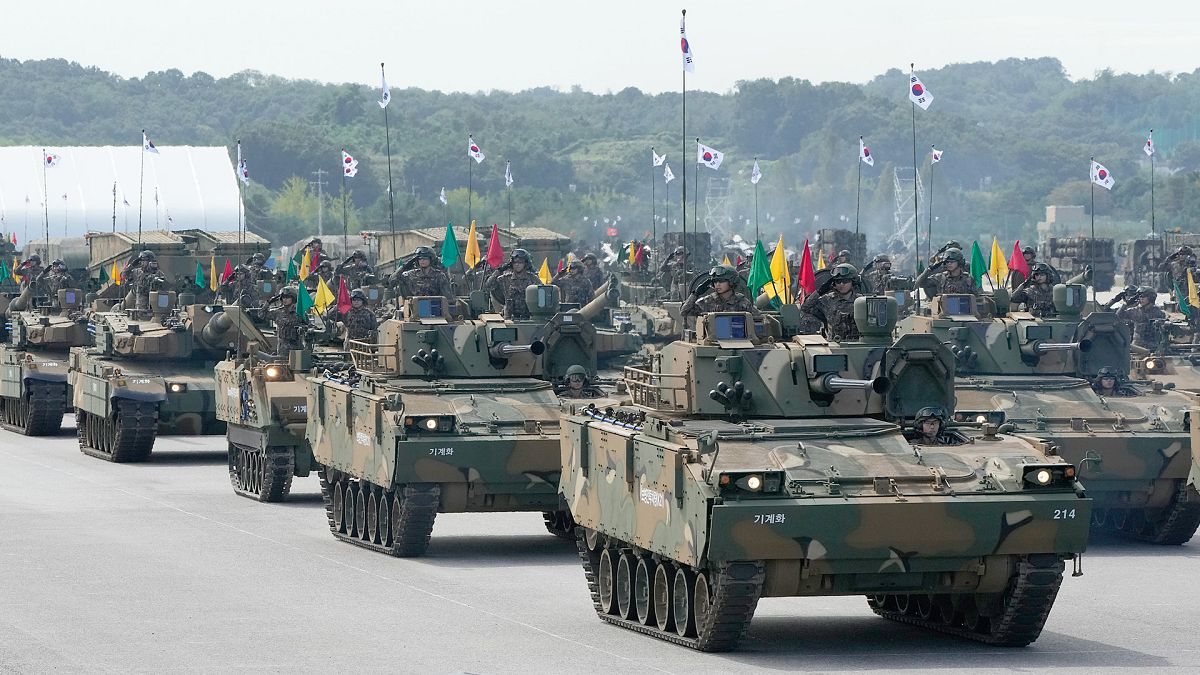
[[505, 350], [1037, 348], [830, 384], [216, 328], [602, 300]]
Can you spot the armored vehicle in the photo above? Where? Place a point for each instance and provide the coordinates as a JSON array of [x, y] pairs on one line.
[[751, 467], [263, 400], [445, 415], [151, 372], [1132, 448], [33, 365]]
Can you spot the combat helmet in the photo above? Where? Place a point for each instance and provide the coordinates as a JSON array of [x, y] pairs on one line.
[[422, 252], [844, 271], [722, 273], [928, 413], [881, 258], [954, 254], [358, 294], [1149, 292], [287, 292], [523, 255], [576, 370]]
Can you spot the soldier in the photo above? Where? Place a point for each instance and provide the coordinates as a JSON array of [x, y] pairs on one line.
[[835, 308], [316, 252], [257, 266], [360, 322], [29, 270], [843, 257], [1144, 317], [1177, 265], [723, 298], [929, 428], [951, 277], [574, 284], [241, 289], [938, 254], [145, 279], [323, 271], [593, 271], [288, 325], [880, 277], [354, 269], [1109, 382], [1037, 293], [1017, 277], [55, 278], [424, 276], [508, 286], [577, 385], [673, 273]]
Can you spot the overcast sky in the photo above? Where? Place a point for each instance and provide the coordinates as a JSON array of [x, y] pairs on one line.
[[454, 45]]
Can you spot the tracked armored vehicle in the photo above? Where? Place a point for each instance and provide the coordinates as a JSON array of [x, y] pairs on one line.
[[750, 467], [33, 365], [445, 415], [263, 400], [150, 372], [1132, 449]]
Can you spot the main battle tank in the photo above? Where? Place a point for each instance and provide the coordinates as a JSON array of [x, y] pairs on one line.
[[33, 365], [750, 467], [1133, 452], [263, 399], [150, 372], [445, 415]]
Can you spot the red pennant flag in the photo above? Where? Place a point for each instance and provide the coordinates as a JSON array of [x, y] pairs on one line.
[[1017, 260], [14, 238], [560, 266], [495, 254], [806, 279], [227, 272], [639, 258], [343, 299], [738, 262]]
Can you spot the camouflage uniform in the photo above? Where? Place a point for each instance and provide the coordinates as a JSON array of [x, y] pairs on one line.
[[879, 281], [835, 312], [360, 323], [288, 327], [942, 284], [576, 288], [1038, 299], [355, 274], [53, 281], [713, 302], [595, 275], [509, 287], [424, 281], [29, 272], [1145, 332]]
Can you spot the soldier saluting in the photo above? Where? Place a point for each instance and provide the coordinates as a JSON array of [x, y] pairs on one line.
[[834, 309], [723, 298], [422, 275], [947, 275], [574, 284], [508, 286]]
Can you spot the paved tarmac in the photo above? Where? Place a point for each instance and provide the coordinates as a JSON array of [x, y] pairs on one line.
[[159, 567]]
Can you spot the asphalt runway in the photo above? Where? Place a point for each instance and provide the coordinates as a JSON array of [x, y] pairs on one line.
[[159, 567]]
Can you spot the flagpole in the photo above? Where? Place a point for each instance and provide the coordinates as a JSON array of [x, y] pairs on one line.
[[45, 203], [1152, 187], [387, 135], [653, 211], [756, 204], [141, 187], [1092, 243], [695, 208], [858, 190], [241, 197], [470, 177], [114, 206], [916, 216], [508, 189], [683, 182], [929, 207], [345, 225]]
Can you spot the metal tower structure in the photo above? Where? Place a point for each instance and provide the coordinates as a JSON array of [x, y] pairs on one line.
[[902, 187], [716, 210]]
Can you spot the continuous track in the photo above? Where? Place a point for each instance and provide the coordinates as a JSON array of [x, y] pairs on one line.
[[126, 436], [264, 475], [39, 413], [397, 523]]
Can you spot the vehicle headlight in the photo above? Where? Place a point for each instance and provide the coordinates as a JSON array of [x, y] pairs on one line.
[[274, 372], [766, 482], [430, 424], [1046, 475], [177, 387], [1156, 365]]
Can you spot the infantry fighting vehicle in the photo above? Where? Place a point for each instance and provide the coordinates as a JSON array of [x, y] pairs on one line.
[[150, 372], [750, 467], [33, 365], [445, 415], [1133, 453], [263, 399]]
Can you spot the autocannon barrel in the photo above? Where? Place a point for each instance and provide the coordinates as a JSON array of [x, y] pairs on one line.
[[505, 350], [1037, 348], [832, 384]]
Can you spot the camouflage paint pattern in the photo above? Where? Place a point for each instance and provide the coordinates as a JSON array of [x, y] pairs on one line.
[[847, 504], [264, 405]]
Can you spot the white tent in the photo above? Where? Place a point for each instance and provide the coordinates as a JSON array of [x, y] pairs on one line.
[[181, 187]]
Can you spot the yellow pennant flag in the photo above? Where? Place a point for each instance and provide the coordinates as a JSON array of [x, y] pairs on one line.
[[212, 273], [116, 274], [820, 259], [780, 275], [725, 261], [324, 297], [544, 272], [998, 270], [472, 256], [305, 265], [632, 252], [16, 277], [1193, 296]]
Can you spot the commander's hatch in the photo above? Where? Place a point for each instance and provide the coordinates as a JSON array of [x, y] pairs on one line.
[[428, 310], [728, 330], [921, 371]]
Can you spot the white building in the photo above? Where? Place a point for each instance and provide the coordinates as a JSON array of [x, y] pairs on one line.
[[180, 187]]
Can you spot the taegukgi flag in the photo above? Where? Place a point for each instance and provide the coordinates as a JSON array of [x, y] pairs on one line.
[[657, 159], [668, 176], [473, 150], [755, 173], [147, 144], [935, 155], [917, 93], [349, 165], [1148, 148], [688, 64], [1101, 175], [864, 153], [508, 179], [708, 156]]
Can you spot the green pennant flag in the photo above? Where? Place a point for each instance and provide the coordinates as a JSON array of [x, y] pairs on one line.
[[304, 302], [920, 266], [760, 270], [103, 274], [292, 272], [4, 275], [1183, 303], [449, 247], [978, 264], [200, 281]]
